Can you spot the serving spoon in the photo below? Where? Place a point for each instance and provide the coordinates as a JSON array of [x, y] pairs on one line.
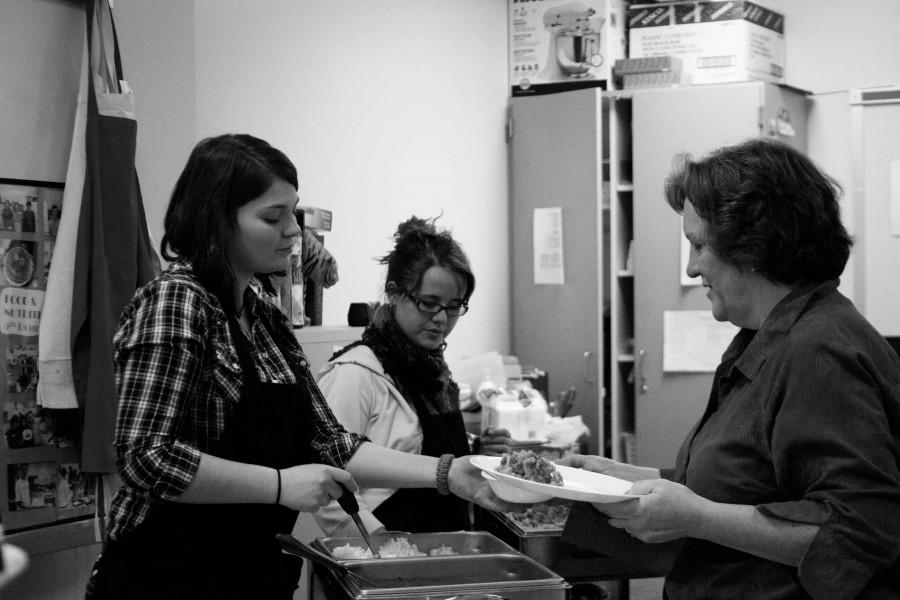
[[291, 544], [348, 502]]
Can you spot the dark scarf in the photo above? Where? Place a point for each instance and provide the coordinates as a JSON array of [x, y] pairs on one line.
[[421, 375]]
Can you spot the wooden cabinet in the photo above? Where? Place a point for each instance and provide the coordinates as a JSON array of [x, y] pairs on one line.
[[621, 282], [665, 123], [603, 157], [556, 148]]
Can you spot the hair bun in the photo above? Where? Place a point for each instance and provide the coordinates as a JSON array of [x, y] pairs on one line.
[[414, 224]]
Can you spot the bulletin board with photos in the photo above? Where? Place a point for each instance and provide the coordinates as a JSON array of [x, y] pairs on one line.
[[39, 462]]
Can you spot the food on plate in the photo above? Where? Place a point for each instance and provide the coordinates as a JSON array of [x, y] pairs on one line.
[[394, 548], [528, 465], [541, 516]]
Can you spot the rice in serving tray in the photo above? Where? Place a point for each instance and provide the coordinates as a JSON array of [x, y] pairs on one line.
[[394, 548], [348, 552], [398, 548]]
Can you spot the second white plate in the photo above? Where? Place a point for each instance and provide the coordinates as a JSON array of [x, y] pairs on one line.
[[531, 442], [578, 484]]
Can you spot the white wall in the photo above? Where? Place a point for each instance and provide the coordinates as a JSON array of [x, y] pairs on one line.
[[391, 108], [833, 46], [840, 44], [40, 58], [388, 108], [156, 40]]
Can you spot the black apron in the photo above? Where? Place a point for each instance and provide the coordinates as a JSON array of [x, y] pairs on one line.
[[220, 551], [114, 254], [422, 510]]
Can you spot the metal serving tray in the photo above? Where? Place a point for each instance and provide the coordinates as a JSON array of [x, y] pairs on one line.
[[575, 564], [465, 543], [511, 576], [543, 545]]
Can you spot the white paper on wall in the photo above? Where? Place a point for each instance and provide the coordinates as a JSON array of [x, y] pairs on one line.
[[693, 341], [548, 246]]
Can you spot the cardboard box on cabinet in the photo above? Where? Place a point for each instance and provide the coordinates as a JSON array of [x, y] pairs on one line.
[[718, 42], [559, 45]]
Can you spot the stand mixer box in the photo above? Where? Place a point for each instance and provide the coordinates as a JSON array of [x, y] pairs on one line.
[[560, 45], [717, 42]]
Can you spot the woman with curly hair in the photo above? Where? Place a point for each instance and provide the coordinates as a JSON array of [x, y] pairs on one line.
[[395, 388]]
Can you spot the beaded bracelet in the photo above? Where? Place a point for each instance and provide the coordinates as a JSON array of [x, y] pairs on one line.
[[442, 474]]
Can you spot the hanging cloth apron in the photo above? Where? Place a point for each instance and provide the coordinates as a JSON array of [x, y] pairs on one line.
[[221, 551], [55, 388], [423, 510], [113, 255]]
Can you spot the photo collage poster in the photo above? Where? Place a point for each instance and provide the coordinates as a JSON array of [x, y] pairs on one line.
[[59, 489], [29, 220]]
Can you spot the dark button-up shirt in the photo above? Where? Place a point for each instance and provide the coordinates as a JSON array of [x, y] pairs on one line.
[[179, 379], [803, 423]]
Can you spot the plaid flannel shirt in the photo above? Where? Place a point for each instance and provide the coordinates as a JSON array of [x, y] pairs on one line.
[[179, 378]]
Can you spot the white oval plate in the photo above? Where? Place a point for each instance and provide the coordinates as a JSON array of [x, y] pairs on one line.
[[512, 493], [578, 484], [531, 442]]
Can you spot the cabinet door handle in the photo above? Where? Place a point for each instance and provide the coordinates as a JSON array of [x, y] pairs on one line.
[[640, 371], [587, 367]]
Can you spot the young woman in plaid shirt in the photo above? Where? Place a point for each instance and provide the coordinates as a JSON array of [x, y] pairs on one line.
[[222, 434]]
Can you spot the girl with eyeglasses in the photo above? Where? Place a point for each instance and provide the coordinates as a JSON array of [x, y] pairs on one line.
[[394, 387]]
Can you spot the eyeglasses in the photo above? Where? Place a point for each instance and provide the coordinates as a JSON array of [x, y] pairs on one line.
[[433, 308]]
